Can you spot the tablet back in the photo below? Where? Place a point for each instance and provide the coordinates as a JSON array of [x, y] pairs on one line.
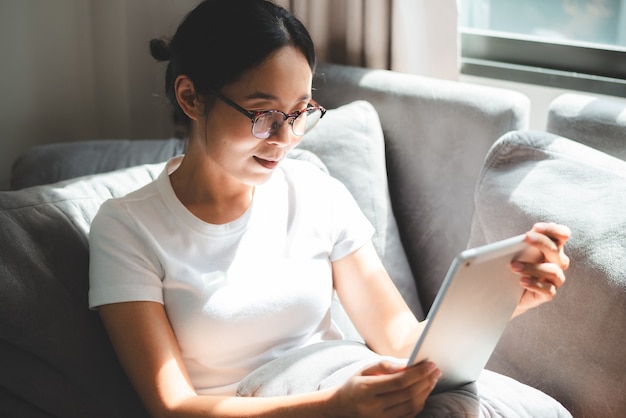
[[470, 312]]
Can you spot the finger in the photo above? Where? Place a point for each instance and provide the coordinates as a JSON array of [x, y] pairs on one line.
[[417, 398], [405, 401], [382, 368], [543, 290], [544, 272], [410, 401], [423, 374], [409, 408], [544, 283], [557, 232], [552, 251]]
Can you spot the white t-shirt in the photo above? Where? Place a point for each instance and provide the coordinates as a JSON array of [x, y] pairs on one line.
[[239, 294]]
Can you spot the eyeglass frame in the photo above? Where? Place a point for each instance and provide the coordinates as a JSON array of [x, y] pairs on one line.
[[254, 115]]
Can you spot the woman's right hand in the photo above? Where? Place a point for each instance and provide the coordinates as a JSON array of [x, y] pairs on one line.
[[387, 390]]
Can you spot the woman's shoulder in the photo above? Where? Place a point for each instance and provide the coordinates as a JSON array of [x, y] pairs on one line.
[[123, 208], [296, 169], [307, 179]]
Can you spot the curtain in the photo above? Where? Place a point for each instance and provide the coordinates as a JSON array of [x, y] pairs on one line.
[[413, 36]]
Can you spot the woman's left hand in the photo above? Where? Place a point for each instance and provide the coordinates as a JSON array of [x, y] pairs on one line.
[[542, 278]]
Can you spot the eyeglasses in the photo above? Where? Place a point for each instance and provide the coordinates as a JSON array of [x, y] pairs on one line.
[[267, 122]]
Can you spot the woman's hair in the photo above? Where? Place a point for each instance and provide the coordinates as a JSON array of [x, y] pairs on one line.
[[221, 39]]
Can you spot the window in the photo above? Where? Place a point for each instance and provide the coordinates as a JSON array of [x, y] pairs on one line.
[[573, 44]]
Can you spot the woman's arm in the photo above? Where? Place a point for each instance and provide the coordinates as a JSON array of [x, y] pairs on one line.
[[383, 319], [148, 351], [374, 304]]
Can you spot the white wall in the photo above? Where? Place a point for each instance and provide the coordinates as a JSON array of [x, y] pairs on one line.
[[81, 69], [46, 87], [540, 97]]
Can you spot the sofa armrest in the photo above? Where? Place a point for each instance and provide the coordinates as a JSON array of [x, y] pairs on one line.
[[598, 123], [573, 347], [437, 133]]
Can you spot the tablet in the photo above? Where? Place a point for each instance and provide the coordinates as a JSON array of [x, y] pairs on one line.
[[471, 310]]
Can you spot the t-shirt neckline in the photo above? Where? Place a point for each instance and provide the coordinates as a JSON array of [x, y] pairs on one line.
[[189, 219]]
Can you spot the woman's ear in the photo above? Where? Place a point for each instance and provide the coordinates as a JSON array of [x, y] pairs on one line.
[[187, 98]]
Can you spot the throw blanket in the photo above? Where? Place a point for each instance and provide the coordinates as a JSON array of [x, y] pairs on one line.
[[328, 364]]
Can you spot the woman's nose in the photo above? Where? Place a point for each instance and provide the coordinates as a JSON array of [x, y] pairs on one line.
[[283, 136]]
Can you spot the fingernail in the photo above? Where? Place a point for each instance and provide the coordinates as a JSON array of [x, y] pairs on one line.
[[517, 266], [436, 375], [526, 280]]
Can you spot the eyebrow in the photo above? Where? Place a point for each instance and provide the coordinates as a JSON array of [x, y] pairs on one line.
[[267, 96]]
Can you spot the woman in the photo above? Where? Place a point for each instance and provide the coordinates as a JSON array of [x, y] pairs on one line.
[[229, 259]]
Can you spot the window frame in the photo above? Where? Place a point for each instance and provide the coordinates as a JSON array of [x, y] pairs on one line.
[[593, 68]]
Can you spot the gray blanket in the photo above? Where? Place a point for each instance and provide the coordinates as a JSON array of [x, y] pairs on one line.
[[327, 364]]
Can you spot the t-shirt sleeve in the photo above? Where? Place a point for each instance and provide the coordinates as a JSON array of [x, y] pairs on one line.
[[122, 266], [352, 229]]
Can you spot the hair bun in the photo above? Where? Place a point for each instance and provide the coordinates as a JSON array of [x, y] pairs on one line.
[[160, 49]]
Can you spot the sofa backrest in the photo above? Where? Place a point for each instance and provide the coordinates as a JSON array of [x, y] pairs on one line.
[[50, 163], [437, 133]]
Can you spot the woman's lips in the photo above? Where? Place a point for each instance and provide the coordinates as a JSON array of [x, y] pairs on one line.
[[269, 164]]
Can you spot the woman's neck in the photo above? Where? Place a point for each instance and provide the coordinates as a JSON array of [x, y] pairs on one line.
[[213, 198]]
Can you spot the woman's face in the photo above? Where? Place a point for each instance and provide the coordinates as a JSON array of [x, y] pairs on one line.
[[282, 82]]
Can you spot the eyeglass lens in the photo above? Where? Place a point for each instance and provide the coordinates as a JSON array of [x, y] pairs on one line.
[[268, 123]]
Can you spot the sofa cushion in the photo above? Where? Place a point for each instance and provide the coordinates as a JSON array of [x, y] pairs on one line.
[[45, 164], [55, 357], [572, 348], [350, 142]]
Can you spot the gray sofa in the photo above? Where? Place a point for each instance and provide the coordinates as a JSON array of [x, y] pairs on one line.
[[572, 348], [410, 149]]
